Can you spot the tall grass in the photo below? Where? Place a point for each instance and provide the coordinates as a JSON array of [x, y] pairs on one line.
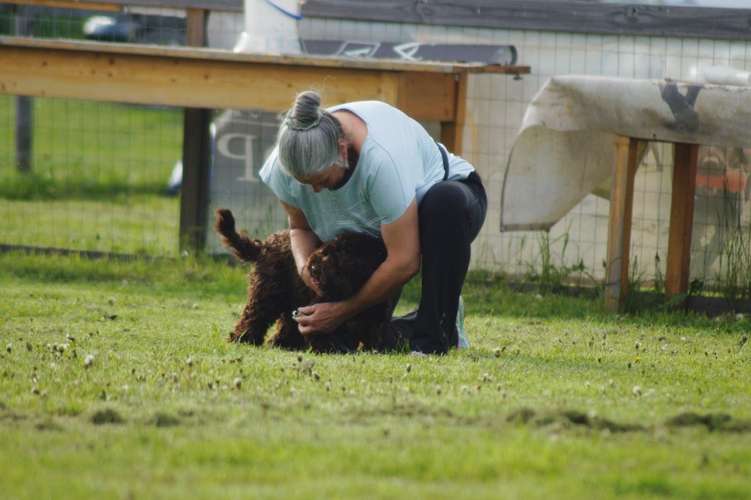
[[735, 264], [549, 273], [734, 276]]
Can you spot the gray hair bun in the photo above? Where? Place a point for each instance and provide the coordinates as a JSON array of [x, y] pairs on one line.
[[308, 137], [306, 112]]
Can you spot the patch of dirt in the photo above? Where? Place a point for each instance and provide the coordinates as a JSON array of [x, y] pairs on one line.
[[521, 416], [165, 420], [106, 416], [48, 425], [570, 418], [715, 422], [407, 409]]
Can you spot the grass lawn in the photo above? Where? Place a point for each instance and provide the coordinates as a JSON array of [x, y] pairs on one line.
[[140, 224], [554, 399], [99, 171]]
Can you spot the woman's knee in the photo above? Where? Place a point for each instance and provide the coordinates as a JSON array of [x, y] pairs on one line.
[[445, 199]]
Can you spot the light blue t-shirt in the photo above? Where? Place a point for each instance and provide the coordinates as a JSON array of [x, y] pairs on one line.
[[398, 163]]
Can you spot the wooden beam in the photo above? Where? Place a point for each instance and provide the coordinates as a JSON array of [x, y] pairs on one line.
[[118, 5], [206, 78], [619, 224], [69, 4], [423, 94], [685, 161], [216, 55], [195, 27], [452, 130], [194, 191], [209, 5], [184, 82], [552, 15]]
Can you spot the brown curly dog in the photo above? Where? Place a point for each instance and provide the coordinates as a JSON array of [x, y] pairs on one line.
[[341, 267]]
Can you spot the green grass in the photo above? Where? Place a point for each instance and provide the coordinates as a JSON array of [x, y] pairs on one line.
[[370, 425], [142, 224], [45, 26], [97, 181]]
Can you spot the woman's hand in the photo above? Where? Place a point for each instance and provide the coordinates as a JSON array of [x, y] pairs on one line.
[[324, 317]]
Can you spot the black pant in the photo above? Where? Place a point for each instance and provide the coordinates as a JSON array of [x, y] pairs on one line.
[[451, 214]]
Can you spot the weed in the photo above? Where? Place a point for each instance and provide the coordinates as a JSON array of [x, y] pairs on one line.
[[658, 277], [548, 274], [734, 278]]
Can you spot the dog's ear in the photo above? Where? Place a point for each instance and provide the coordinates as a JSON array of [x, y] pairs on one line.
[[335, 275], [346, 263]]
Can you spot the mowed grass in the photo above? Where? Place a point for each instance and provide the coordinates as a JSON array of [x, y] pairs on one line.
[[141, 224], [99, 172], [554, 399]]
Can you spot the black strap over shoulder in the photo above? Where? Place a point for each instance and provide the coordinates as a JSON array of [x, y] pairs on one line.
[[445, 159]]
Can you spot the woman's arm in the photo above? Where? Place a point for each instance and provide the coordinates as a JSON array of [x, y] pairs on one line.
[[402, 262], [303, 242]]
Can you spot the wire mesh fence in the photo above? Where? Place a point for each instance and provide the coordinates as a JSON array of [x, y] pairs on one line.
[[96, 179], [576, 246], [99, 171], [82, 175]]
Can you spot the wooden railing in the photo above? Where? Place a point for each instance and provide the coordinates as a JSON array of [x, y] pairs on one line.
[[116, 5]]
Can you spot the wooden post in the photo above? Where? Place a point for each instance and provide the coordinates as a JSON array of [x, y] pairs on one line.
[[24, 132], [194, 192], [619, 225], [24, 105], [452, 131], [685, 160]]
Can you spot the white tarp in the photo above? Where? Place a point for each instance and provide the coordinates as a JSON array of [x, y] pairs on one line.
[[565, 148]]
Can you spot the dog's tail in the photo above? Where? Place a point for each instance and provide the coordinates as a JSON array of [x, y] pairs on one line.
[[240, 245]]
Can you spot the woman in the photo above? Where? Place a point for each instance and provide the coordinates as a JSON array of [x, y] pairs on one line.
[[366, 166]]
